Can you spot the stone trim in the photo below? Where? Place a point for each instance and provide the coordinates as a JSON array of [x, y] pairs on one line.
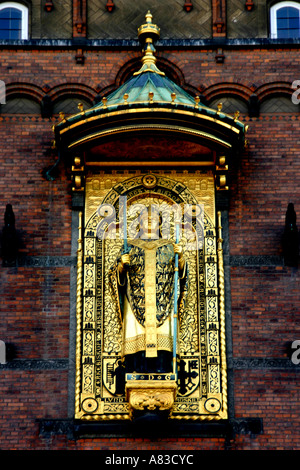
[[46, 261], [71, 261], [246, 363], [165, 43], [238, 363], [36, 364], [249, 261]]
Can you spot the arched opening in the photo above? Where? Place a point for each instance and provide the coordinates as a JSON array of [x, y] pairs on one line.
[[13, 21], [285, 20]]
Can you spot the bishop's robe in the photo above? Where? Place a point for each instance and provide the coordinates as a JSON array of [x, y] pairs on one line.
[[145, 300]]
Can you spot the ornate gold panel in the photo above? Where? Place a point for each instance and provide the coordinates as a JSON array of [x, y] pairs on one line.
[[196, 389]]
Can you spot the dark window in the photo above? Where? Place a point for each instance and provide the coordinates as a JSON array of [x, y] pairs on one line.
[[10, 23], [288, 22]]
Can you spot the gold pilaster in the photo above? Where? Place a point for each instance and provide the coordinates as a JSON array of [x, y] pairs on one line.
[[79, 317], [222, 318]]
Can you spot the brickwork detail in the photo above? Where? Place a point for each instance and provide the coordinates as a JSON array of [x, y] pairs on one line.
[[219, 18], [79, 18]]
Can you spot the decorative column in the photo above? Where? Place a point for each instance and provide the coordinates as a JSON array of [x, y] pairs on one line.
[[49, 6], [219, 18], [110, 6], [188, 6], [249, 5], [79, 18]]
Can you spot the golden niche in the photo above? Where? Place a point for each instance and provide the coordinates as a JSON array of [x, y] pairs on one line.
[[150, 298]]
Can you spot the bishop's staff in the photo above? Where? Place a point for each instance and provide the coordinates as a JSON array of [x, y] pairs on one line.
[[175, 303], [124, 198]]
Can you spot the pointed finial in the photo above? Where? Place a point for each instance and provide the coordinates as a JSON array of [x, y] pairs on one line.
[[148, 17], [148, 33]]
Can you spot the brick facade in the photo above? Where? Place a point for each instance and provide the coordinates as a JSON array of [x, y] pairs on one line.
[[262, 293]]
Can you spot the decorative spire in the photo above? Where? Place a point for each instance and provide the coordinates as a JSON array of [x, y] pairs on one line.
[[147, 34]]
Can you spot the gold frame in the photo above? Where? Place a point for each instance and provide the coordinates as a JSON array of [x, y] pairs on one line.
[[211, 401]]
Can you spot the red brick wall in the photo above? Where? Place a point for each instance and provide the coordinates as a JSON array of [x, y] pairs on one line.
[[25, 397], [265, 310], [35, 311], [266, 180], [274, 396], [35, 300], [250, 70], [42, 208]]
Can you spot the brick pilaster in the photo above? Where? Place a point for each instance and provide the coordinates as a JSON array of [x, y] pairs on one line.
[[79, 18], [219, 18]]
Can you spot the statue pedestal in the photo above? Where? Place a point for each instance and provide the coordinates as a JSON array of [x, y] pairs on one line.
[[153, 392]]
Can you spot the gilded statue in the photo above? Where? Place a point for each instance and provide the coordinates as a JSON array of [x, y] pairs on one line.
[[143, 282]]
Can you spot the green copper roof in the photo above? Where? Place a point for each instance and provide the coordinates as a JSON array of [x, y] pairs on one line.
[[140, 87], [149, 84], [149, 92]]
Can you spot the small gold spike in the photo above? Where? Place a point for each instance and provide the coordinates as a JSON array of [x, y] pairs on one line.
[[236, 115], [173, 97], [104, 101], [222, 180], [222, 183], [126, 96], [77, 161], [197, 100], [151, 95], [220, 106], [222, 164], [148, 17], [80, 107], [222, 160]]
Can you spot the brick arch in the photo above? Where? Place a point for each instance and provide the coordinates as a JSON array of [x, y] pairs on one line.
[[270, 90], [234, 90], [72, 89], [134, 64], [276, 98], [26, 90], [230, 104]]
